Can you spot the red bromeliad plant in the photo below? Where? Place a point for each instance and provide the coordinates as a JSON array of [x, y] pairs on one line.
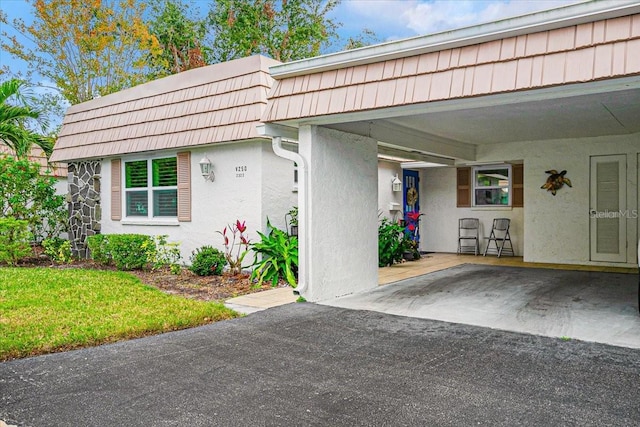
[[235, 247], [412, 220], [411, 233]]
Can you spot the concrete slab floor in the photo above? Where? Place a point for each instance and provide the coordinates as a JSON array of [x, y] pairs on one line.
[[585, 305], [251, 303]]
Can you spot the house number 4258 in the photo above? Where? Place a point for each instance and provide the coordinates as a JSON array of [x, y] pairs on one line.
[[240, 170]]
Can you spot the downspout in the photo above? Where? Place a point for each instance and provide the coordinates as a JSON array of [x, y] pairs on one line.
[[279, 150]]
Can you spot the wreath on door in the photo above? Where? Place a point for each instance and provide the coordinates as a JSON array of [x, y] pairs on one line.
[[412, 196]]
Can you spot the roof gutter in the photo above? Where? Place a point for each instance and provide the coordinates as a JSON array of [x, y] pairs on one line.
[[551, 19]]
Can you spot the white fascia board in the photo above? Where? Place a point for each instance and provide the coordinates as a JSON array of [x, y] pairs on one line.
[[273, 129], [551, 19], [422, 165]]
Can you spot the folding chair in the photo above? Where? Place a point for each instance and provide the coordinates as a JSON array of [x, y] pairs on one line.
[[468, 230], [500, 236]]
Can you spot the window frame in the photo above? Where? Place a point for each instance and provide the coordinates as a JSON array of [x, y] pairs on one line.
[[474, 185], [149, 188]]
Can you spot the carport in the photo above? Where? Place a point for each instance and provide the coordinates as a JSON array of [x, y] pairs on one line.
[[589, 305], [560, 86]]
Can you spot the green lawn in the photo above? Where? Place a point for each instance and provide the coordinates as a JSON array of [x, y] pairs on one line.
[[43, 310]]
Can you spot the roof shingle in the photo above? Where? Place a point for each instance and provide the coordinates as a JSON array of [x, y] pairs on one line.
[[172, 112]]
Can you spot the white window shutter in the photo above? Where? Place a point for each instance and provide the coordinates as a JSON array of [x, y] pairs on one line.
[[184, 186]]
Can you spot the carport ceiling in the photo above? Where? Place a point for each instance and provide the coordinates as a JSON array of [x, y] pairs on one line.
[[452, 129], [612, 113]]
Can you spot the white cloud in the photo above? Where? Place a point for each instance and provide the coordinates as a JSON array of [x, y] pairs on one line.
[[384, 17], [396, 19]]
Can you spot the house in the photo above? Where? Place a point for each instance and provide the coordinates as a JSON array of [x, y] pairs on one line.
[[469, 123], [481, 116], [134, 158]]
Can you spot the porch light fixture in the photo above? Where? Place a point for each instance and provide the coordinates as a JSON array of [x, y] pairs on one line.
[[396, 184], [206, 168]]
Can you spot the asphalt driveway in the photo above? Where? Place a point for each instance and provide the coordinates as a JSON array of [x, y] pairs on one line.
[[307, 364]]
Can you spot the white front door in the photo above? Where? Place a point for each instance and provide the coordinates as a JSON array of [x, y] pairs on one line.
[[608, 223]]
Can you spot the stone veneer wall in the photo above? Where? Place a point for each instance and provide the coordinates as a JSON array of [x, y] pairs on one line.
[[85, 212]]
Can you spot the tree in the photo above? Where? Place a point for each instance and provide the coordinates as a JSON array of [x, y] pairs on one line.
[[25, 194], [180, 38], [366, 37], [285, 30], [86, 48], [15, 115]]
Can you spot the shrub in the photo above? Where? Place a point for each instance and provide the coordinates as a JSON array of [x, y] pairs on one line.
[[207, 261], [27, 195], [14, 240], [279, 257], [162, 253], [130, 251], [126, 251], [57, 249], [391, 242], [98, 248]]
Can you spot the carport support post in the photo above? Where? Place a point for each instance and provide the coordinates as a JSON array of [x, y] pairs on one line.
[[339, 234]]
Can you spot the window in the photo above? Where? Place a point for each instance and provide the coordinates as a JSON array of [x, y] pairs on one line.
[[151, 188], [492, 185], [464, 184]]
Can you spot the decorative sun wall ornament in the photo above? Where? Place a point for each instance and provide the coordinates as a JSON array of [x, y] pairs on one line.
[[555, 181]]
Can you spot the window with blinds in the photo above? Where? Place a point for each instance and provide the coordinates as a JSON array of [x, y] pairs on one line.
[[151, 188]]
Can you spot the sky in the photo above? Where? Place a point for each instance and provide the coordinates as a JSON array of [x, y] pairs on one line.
[[396, 19], [388, 19]]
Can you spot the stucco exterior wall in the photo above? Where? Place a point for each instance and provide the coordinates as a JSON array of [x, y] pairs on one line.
[[548, 229], [235, 194], [339, 241], [439, 226], [277, 192], [386, 171]]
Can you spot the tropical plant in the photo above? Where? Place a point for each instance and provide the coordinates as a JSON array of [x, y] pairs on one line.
[[207, 261], [16, 115], [237, 247], [276, 257], [412, 233], [391, 242], [28, 195]]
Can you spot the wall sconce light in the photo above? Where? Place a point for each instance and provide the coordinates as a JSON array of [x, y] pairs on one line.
[[206, 168], [396, 184]]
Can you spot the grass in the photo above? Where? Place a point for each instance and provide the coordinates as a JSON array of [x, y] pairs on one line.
[[45, 310]]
